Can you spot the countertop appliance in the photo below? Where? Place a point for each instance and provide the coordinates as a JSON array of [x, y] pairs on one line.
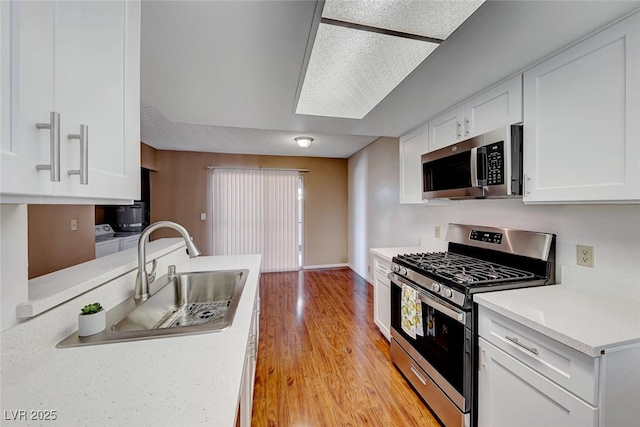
[[433, 318], [132, 218], [487, 166]]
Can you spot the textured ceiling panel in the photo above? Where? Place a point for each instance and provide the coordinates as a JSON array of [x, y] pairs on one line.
[[351, 71], [437, 19]]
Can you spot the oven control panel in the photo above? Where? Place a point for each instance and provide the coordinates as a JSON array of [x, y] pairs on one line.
[[484, 236]]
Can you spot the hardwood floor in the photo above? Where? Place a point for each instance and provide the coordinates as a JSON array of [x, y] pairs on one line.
[[321, 359]]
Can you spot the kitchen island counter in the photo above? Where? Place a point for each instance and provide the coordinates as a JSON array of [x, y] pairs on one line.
[[170, 381]]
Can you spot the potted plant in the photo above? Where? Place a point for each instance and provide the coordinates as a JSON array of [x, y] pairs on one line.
[[91, 320]]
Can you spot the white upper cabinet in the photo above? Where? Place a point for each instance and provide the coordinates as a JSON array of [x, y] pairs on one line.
[[582, 120], [412, 146], [496, 107], [446, 129], [81, 60]]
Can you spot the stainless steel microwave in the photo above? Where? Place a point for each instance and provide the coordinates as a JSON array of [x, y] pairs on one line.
[[487, 166]]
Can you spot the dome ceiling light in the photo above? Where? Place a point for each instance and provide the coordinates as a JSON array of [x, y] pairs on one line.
[[304, 141]]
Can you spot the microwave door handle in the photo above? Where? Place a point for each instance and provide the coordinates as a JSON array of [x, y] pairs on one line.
[[473, 167]]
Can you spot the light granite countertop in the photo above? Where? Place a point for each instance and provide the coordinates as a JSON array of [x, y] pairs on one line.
[[585, 321], [171, 381], [50, 290]]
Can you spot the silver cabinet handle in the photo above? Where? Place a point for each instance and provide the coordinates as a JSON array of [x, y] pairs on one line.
[[417, 374], [83, 136], [54, 143], [466, 126], [459, 127], [526, 347]]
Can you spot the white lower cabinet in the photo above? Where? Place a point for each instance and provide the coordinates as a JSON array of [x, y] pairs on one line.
[[526, 378], [245, 408], [382, 295], [512, 394]]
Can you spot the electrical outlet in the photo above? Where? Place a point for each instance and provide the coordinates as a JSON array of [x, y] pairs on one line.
[[203, 216], [74, 224], [585, 256], [436, 232]]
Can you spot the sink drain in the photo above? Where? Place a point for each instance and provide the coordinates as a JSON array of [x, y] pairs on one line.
[[199, 313]]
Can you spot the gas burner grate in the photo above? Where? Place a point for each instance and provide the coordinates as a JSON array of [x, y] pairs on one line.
[[463, 269]]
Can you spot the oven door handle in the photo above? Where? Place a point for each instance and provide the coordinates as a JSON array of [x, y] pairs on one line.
[[459, 316], [449, 311]]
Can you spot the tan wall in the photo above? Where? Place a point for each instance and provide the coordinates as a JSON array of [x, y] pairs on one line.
[[148, 157], [52, 244], [179, 193]]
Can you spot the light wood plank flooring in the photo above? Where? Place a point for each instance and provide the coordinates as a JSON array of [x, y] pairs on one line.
[[321, 359]]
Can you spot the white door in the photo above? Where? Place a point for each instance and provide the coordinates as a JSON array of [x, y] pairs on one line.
[[92, 40], [512, 394], [382, 303], [30, 78], [581, 110], [497, 107], [446, 129], [412, 146]]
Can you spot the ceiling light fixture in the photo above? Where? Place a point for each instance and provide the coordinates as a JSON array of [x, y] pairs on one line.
[[362, 50], [304, 141]]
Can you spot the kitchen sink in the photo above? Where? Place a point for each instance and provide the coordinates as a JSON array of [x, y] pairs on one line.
[[184, 303]]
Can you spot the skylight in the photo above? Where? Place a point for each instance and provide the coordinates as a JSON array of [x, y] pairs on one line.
[[364, 49]]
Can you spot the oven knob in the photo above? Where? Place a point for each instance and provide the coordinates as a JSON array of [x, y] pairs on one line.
[[403, 271], [448, 293], [435, 287], [396, 268]]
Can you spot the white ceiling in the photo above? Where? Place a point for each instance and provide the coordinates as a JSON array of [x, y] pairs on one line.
[[222, 76]]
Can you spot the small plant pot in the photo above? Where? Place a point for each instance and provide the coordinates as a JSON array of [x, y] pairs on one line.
[[91, 324]]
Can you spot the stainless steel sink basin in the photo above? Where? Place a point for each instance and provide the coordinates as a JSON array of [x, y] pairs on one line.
[[187, 303]]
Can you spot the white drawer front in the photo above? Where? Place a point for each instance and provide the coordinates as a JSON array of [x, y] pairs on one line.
[[565, 366], [382, 266]]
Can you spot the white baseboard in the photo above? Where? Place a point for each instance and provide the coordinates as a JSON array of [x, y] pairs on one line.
[[368, 279], [316, 267]]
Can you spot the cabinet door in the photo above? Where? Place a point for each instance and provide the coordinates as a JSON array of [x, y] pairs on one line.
[[93, 69], [27, 70], [497, 107], [412, 146], [581, 109], [511, 394], [446, 129], [382, 303]]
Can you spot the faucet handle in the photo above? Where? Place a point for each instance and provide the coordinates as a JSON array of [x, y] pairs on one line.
[[171, 274], [152, 276]]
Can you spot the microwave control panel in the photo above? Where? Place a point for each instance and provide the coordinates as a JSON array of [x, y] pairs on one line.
[[495, 163]]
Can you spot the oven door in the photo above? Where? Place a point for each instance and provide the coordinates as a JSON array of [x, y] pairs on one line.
[[444, 350]]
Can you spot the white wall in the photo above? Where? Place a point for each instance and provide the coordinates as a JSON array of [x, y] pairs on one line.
[[13, 262], [376, 219]]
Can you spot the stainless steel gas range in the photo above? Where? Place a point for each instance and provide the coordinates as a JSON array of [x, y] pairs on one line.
[[433, 320]]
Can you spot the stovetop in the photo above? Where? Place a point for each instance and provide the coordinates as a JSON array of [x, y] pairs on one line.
[[480, 259], [462, 269]]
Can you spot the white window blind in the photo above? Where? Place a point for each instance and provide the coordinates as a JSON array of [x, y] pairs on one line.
[[254, 212]]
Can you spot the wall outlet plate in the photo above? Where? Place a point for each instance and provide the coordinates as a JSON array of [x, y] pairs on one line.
[[585, 256], [436, 232], [74, 224]]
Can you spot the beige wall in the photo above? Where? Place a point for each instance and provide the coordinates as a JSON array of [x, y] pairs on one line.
[[179, 193], [148, 157], [52, 245]]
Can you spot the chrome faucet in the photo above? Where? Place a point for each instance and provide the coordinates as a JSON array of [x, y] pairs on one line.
[[143, 278]]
